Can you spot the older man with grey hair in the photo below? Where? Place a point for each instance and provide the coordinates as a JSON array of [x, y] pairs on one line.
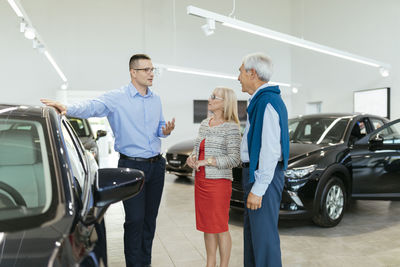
[[264, 153]]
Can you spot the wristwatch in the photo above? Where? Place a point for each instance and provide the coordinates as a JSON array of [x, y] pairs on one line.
[[209, 161]]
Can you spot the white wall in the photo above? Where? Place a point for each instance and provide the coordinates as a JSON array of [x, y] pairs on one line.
[[367, 28], [92, 42]]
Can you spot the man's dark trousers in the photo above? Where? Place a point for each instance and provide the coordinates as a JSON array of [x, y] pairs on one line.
[[141, 212], [260, 229]]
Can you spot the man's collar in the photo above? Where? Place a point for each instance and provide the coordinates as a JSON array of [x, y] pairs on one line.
[[258, 89], [134, 92]]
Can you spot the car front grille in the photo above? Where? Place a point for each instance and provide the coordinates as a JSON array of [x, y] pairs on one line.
[[176, 160]]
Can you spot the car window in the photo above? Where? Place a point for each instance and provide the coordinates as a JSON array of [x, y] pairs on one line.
[[363, 128], [75, 158], [81, 126], [376, 123], [334, 133], [25, 179], [292, 127], [358, 131], [391, 134], [317, 130]]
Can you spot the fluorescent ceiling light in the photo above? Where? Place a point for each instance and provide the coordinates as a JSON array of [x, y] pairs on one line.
[[207, 73], [55, 66], [16, 9], [31, 34], [278, 36]]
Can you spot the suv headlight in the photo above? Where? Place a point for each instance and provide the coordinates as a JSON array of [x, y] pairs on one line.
[[300, 172]]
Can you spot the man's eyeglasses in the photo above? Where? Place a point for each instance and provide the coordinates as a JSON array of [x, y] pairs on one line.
[[147, 70], [213, 97]]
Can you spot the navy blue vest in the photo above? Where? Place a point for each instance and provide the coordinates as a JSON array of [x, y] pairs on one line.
[[256, 111]]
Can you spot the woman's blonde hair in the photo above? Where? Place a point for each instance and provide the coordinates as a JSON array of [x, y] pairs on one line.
[[230, 104]]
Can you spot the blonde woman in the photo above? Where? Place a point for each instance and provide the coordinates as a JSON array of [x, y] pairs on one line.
[[216, 152]]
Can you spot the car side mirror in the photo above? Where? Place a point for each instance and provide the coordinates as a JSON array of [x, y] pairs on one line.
[[116, 184], [100, 133], [113, 185], [376, 142]]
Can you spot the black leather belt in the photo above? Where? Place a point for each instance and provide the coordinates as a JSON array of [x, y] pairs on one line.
[[245, 164], [152, 159]]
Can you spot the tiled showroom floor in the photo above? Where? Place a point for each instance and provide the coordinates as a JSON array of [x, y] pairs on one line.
[[369, 234]]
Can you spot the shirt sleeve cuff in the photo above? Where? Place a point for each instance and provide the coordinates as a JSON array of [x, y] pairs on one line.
[[260, 185], [70, 110], [259, 189]]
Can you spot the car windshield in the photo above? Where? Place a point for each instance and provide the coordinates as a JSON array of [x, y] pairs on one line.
[[81, 126], [25, 180], [317, 130]]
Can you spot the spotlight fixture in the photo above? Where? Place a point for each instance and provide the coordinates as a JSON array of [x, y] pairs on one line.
[[209, 27], [295, 90], [281, 37], [22, 26], [35, 43], [384, 72], [29, 33], [40, 48], [64, 86]]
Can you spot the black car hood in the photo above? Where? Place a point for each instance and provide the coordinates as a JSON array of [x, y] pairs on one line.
[[184, 147], [298, 150], [29, 248]]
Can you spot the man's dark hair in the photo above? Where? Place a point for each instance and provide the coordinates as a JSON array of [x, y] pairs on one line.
[[135, 58]]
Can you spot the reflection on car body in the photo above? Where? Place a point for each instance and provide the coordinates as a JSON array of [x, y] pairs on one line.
[[335, 157], [84, 131], [52, 196], [176, 158]]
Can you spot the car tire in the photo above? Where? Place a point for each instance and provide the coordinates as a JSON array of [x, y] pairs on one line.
[[331, 203]]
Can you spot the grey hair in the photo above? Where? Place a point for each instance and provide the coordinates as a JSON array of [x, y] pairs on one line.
[[261, 63]]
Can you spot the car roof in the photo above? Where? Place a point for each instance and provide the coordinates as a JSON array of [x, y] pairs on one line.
[[23, 110], [334, 115]]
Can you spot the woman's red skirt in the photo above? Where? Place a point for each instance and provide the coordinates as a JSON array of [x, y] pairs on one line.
[[212, 198]]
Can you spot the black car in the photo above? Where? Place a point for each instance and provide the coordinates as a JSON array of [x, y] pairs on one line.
[[335, 157], [84, 131], [176, 157], [52, 195]]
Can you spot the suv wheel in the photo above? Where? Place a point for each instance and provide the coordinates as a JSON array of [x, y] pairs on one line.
[[332, 203]]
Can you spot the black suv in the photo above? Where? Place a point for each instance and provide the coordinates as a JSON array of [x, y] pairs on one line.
[[335, 157]]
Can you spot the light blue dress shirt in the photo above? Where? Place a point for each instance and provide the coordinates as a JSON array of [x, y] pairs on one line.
[[136, 120], [270, 152]]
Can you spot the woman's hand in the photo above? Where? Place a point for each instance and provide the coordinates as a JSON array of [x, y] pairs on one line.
[[191, 161], [200, 163]]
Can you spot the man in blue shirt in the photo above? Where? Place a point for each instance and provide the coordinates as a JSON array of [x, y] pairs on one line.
[[264, 152], [135, 116]]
